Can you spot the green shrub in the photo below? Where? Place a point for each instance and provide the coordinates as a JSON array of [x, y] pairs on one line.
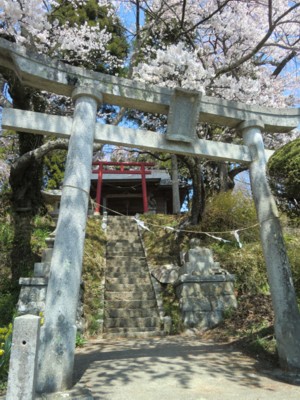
[[229, 211], [80, 340], [293, 249], [284, 176]]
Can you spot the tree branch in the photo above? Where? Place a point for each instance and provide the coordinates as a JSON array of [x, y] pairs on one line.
[[283, 63], [150, 154], [37, 154], [234, 172], [259, 45]]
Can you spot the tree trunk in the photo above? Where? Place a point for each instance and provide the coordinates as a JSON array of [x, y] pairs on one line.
[[198, 199], [223, 177], [25, 184], [175, 186]]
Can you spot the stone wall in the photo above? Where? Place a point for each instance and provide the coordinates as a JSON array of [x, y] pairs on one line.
[[32, 298]]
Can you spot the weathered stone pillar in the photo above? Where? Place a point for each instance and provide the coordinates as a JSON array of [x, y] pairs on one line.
[[56, 355], [22, 366], [287, 318]]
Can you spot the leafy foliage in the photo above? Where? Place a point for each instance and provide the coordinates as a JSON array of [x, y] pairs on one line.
[[91, 14], [284, 173], [54, 167]]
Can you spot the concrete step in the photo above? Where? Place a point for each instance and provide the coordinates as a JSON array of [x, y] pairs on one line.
[[130, 304], [128, 296], [137, 323], [127, 287], [130, 313]]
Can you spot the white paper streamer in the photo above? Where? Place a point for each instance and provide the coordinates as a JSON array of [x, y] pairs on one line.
[[216, 237], [170, 228], [141, 224], [237, 237]]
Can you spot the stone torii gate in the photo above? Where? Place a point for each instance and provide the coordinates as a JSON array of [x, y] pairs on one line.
[[184, 109]]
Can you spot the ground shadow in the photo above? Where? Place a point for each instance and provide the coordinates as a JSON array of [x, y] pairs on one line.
[[178, 360]]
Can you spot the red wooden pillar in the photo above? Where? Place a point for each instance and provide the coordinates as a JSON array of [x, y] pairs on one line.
[[99, 187], [144, 189]]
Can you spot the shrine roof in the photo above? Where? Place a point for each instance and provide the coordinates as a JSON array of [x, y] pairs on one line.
[[156, 174]]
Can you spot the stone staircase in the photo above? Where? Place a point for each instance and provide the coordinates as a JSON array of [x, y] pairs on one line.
[[130, 308]]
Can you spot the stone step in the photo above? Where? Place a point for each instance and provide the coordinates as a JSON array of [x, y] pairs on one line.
[[124, 242], [130, 313], [122, 234], [129, 270], [123, 225], [120, 218], [133, 334], [125, 248], [132, 279], [123, 273], [115, 260], [136, 323], [127, 266], [126, 296], [127, 287], [124, 253], [133, 258], [130, 304], [129, 329]]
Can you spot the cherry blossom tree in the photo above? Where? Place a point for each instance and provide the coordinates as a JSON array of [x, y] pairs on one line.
[[246, 51], [39, 26]]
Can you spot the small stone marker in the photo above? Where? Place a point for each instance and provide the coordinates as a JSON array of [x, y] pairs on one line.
[[22, 366]]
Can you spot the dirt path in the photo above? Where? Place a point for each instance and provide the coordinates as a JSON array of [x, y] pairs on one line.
[[179, 368]]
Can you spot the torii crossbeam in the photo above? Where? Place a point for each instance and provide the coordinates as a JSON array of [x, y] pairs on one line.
[[184, 110]]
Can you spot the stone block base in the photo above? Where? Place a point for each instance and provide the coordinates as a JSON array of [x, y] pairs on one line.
[[203, 299]]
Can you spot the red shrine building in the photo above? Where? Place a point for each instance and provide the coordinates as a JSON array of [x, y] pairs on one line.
[[129, 188]]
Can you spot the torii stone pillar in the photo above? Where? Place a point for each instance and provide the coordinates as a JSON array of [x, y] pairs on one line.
[[287, 318], [57, 346]]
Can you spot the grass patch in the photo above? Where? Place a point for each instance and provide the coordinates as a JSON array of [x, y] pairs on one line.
[[93, 273]]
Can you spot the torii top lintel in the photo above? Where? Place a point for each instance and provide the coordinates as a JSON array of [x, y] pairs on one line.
[[44, 73]]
